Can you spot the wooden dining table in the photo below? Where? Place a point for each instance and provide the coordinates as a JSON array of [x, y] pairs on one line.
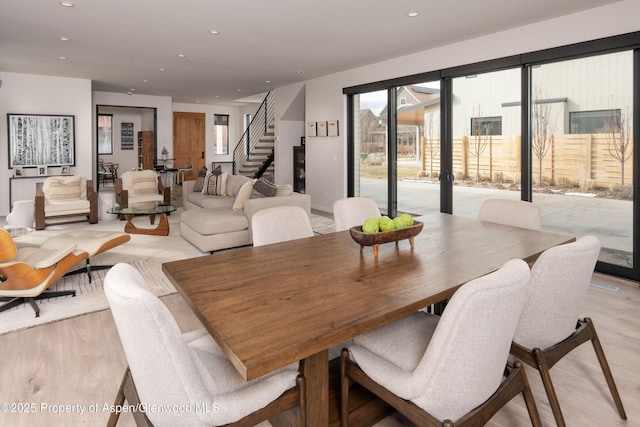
[[273, 305]]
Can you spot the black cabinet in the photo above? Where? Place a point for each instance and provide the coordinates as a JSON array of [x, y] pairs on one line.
[[298, 170]]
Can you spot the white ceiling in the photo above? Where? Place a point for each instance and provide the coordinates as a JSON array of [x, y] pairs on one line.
[[120, 43]]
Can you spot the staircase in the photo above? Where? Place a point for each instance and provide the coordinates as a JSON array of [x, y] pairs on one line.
[[254, 153], [261, 156]]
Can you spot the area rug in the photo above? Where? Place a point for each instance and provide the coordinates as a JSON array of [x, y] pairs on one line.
[[89, 298], [321, 224]]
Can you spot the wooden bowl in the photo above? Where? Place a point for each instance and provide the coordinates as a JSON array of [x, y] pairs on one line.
[[375, 239]]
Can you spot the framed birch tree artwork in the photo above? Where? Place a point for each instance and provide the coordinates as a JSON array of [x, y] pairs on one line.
[[41, 140]]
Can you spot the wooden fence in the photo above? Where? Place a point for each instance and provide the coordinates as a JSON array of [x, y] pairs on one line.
[[573, 160]]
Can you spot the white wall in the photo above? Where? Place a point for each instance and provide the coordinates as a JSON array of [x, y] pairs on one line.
[[326, 157], [289, 116], [34, 94]]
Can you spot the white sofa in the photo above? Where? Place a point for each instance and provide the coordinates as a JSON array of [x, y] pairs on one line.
[[210, 223]]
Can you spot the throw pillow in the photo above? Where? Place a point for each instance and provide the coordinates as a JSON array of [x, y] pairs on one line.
[[265, 187], [284, 190], [197, 187], [64, 189], [215, 185], [243, 194], [144, 185]]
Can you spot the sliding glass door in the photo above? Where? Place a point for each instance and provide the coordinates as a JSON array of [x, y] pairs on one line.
[[582, 150], [371, 148], [485, 139], [557, 128], [418, 148]]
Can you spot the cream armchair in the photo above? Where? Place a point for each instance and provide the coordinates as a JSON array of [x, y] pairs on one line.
[[141, 186], [65, 197]]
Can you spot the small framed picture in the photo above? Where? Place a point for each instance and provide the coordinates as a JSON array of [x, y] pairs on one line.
[[17, 171], [311, 129], [42, 170], [332, 128], [64, 170], [322, 128]]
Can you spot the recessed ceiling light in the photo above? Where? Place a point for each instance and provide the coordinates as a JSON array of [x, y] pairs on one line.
[[63, 39], [181, 55], [217, 96], [267, 81], [145, 81], [66, 4], [162, 69], [198, 101], [129, 93], [62, 58], [412, 14], [298, 72], [132, 89], [214, 32], [238, 90]]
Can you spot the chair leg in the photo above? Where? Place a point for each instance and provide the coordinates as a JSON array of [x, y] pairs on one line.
[[543, 367], [302, 415], [344, 389], [605, 368], [88, 269], [14, 302], [529, 400], [115, 415], [128, 392]]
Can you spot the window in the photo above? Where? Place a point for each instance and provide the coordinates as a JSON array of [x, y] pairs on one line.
[[221, 133], [486, 126], [599, 121]]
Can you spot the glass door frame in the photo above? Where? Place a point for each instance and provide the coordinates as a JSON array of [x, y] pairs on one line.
[[525, 62]]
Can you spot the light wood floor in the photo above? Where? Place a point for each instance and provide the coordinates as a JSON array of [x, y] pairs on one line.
[[79, 362], [64, 373]]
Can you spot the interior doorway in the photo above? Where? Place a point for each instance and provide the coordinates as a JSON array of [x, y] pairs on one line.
[[189, 134], [117, 128]]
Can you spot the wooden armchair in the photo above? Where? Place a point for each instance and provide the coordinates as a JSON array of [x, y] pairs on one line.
[[65, 197], [141, 186]]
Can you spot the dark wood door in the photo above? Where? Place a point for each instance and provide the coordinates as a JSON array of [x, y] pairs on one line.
[[189, 142]]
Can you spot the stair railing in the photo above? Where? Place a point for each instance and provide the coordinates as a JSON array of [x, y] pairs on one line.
[[257, 129], [265, 165]]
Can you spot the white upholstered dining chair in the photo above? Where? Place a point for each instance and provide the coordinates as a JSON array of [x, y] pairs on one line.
[[447, 370], [550, 327], [515, 213], [279, 224], [188, 370], [353, 211]]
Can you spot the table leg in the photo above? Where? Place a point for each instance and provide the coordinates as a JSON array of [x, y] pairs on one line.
[[316, 376], [161, 230]]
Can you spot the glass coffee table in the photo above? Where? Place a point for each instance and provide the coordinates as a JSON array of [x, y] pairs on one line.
[[145, 208]]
